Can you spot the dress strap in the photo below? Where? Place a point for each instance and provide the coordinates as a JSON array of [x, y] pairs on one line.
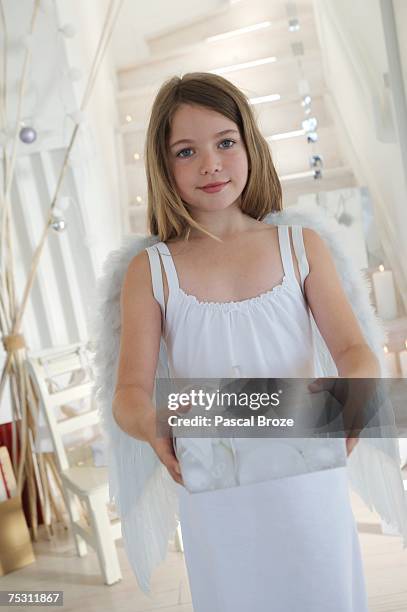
[[285, 251], [155, 253], [169, 267], [298, 242], [156, 276]]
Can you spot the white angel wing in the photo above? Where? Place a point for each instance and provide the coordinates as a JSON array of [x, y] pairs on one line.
[[140, 485], [374, 464]]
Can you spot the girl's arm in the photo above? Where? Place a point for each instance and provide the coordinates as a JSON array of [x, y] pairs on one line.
[[341, 331], [333, 313], [133, 408]]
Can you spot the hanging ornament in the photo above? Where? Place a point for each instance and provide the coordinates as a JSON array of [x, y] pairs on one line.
[[312, 137], [345, 219], [310, 124], [293, 25], [341, 215], [317, 174], [316, 161], [28, 135], [58, 224], [306, 101]]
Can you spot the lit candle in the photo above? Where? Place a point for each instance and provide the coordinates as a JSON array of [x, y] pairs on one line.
[[403, 361], [390, 363], [385, 293]]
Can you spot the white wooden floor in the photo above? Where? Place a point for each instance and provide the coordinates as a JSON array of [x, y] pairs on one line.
[[57, 567]]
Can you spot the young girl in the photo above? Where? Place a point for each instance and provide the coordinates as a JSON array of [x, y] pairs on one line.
[[223, 290]]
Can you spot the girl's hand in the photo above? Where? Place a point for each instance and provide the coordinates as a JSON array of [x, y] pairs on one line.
[[164, 449], [350, 445], [161, 445], [340, 393]]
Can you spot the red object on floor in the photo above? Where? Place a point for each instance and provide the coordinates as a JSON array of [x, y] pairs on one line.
[[6, 440], [5, 436]]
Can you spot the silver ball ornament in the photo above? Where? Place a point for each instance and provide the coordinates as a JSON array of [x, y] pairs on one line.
[[306, 101], [310, 124], [345, 219], [316, 161], [312, 137], [58, 224], [28, 135]]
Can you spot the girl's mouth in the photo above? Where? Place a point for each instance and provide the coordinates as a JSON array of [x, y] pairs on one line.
[[215, 188]]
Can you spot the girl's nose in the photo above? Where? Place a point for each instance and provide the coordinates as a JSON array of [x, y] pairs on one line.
[[210, 164]]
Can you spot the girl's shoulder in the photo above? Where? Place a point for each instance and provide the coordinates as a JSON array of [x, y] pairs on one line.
[[138, 271], [178, 246]]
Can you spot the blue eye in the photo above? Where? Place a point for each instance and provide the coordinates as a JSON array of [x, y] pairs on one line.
[[189, 148], [182, 151], [229, 140]]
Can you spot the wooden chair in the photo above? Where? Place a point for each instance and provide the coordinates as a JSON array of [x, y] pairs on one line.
[[88, 483]]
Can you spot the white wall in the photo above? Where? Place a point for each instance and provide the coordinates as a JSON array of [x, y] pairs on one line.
[[400, 11], [355, 61], [99, 155], [63, 292]]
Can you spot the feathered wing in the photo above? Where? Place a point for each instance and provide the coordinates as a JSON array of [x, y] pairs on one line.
[[374, 464], [140, 485]]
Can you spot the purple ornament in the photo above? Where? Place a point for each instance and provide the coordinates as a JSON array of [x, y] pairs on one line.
[[28, 135]]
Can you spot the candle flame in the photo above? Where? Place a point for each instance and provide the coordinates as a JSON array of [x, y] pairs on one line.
[[385, 348], [381, 268]]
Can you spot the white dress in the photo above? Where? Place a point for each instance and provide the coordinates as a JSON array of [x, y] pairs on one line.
[[280, 538]]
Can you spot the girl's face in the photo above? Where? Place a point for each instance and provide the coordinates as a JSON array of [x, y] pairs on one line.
[[205, 147]]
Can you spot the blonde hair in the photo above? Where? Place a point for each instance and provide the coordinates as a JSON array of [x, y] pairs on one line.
[[167, 214]]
